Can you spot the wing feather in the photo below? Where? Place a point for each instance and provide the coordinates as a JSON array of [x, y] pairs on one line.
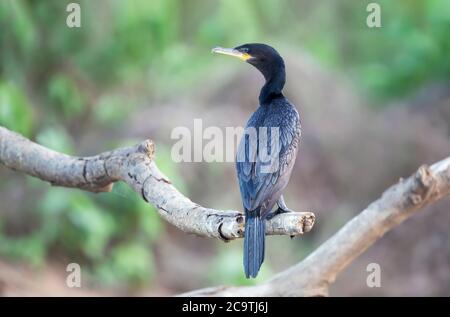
[[259, 180]]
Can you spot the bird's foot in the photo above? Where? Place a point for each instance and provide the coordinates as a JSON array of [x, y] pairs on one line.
[[277, 212]]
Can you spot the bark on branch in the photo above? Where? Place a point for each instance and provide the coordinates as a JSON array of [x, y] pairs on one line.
[[313, 275], [135, 166]]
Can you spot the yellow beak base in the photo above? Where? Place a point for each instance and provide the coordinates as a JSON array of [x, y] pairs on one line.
[[231, 52]]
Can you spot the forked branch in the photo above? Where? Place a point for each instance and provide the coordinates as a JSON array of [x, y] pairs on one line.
[[135, 166]]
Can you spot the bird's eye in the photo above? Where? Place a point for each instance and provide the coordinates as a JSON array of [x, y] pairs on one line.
[[244, 50]]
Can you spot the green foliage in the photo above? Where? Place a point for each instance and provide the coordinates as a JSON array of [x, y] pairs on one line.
[[15, 110], [56, 138], [16, 22], [30, 249], [65, 96], [110, 108], [227, 268], [87, 228], [414, 50], [130, 263], [59, 86]]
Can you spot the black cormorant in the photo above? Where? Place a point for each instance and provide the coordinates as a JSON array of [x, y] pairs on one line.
[[262, 181]]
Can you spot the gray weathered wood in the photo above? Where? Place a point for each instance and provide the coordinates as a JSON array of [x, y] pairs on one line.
[[313, 275], [135, 166]]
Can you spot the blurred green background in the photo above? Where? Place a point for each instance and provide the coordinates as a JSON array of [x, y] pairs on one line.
[[375, 104]]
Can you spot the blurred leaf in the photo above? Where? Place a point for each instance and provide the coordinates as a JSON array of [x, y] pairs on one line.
[[228, 268], [111, 109], [57, 139], [65, 94], [149, 220], [131, 263], [55, 201], [21, 23], [90, 226], [15, 111], [30, 249]]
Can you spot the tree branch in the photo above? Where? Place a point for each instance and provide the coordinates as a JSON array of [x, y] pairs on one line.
[[313, 275], [135, 166]]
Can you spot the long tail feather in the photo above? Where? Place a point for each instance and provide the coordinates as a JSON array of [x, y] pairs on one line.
[[254, 242]]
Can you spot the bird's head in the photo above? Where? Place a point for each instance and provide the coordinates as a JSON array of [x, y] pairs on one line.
[[264, 57]]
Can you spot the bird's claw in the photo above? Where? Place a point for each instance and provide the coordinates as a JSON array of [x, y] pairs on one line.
[[277, 212]]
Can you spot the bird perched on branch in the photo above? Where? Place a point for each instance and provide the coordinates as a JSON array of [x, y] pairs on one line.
[[267, 150]]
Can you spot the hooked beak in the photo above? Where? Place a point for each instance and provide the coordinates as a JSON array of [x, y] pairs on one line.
[[231, 52]]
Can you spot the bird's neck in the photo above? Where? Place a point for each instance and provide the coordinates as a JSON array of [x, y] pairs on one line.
[[273, 87]]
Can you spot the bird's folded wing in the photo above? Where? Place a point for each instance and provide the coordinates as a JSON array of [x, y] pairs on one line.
[[259, 176]]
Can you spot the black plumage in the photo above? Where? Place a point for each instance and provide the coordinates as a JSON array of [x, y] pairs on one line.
[[262, 179]]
